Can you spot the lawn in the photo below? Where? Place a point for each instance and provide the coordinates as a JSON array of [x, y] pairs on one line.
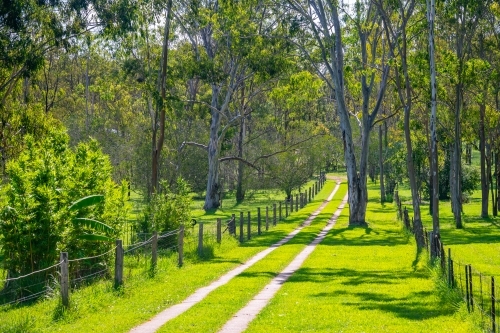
[[100, 308], [362, 280], [478, 243]]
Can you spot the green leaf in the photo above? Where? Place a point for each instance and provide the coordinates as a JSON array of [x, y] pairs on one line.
[[93, 224], [95, 238], [86, 202]]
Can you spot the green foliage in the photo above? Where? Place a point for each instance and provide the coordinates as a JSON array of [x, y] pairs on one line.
[[168, 209], [48, 176]]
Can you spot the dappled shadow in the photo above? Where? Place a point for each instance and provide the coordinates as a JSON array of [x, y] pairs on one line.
[[413, 306], [353, 277], [247, 274], [371, 237]]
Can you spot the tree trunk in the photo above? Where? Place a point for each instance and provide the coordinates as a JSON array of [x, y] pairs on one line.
[[456, 191], [489, 157], [240, 192], [431, 14], [212, 197], [381, 165], [417, 220], [482, 151], [160, 104]]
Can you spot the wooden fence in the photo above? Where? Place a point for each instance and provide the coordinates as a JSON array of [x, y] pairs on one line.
[[196, 239], [478, 290]]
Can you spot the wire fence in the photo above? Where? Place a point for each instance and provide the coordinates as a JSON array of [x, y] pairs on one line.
[[477, 290], [139, 254]]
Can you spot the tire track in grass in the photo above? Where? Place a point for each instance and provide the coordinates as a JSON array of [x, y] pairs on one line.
[[242, 318], [172, 312]]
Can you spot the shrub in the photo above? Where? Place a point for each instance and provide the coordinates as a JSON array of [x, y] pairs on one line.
[[44, 180], [167, 210]]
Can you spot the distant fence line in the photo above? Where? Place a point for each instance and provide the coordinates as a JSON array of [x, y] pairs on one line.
[[478, 290], [69, 274]]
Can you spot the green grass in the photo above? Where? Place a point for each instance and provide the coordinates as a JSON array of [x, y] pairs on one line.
[[253, 199], [361, 280], [478, 243], [211, 314], [100, 308]]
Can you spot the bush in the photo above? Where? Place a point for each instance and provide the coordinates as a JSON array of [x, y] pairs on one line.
[[167, 210], [44, 180]]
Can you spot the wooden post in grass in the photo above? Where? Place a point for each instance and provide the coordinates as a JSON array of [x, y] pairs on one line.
[[64, 279], [450, 272], [296, 202], [249, 227], [180, 246], [301, 200], [219, 230], [232, 225], [200, 238], [493, 301], [310, 195], [286, 208], [291, 203], [471, 294], [154, 252], [279, 219], [267, 218], [274, 214], [241, 227], [118, 264], [258, 221], [467, 287]]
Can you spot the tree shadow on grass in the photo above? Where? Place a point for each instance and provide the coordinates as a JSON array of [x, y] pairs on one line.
[[371, 237], [415, 305]]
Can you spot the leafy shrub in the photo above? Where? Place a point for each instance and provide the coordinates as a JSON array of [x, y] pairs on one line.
[[167, 210], [44, 180]]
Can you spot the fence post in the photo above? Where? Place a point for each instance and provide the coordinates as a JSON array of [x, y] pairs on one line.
[[296, 202], [310, 195], [118, 263], [180, 246], [471, 294], [274, 214], [467, 297], [450, 274], [154, 252], [200, 238], [493, 312], [286, 208], [64, 279], [219, 230], [232, 226], [291, 203], [258, 221], [241, 227], [249, 228], [267, 218], [279, 219]]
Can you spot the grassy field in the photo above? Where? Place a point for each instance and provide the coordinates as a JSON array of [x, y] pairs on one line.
[[100, 308], [478, 243], [362, 280], [211, 314], [357, 280]]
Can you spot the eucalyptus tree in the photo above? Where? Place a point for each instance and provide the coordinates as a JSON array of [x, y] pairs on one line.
[[464, 18], [323, 21], [227, 42], [431, 15], [396, 22]]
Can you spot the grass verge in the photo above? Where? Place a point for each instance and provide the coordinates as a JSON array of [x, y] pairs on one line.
[[100, 308]]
